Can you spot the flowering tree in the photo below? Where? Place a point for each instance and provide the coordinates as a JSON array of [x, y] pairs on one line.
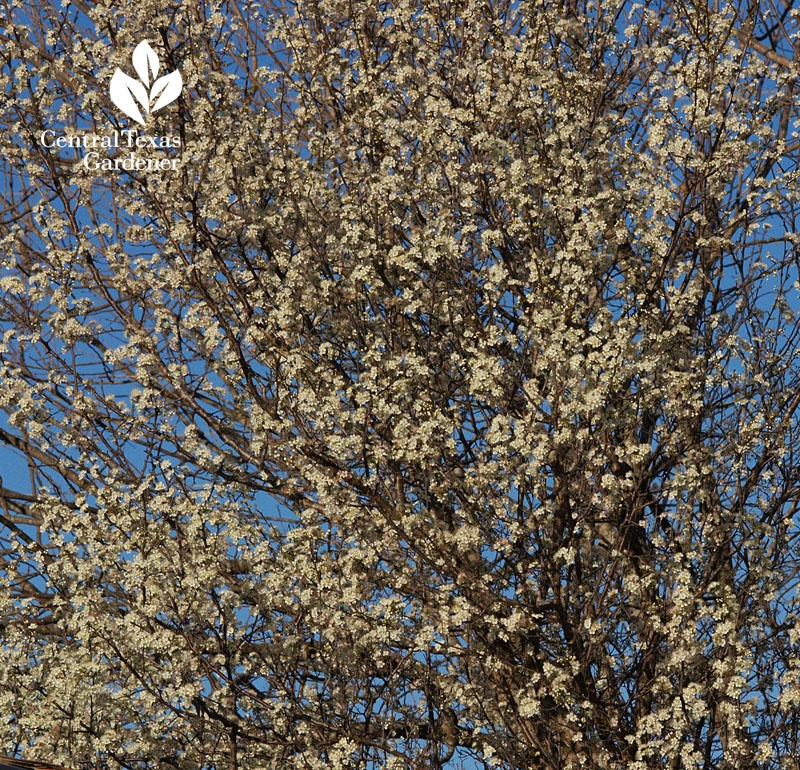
[[438, 408]]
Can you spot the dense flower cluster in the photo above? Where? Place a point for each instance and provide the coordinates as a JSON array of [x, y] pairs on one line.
[[437, 409]]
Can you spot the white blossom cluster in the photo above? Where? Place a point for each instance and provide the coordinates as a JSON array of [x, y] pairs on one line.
[[440, 410]]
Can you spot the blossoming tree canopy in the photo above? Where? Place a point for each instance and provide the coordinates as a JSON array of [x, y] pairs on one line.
[[399, 385]]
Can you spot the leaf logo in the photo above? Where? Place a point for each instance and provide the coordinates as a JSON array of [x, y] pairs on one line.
[[137, 98]]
